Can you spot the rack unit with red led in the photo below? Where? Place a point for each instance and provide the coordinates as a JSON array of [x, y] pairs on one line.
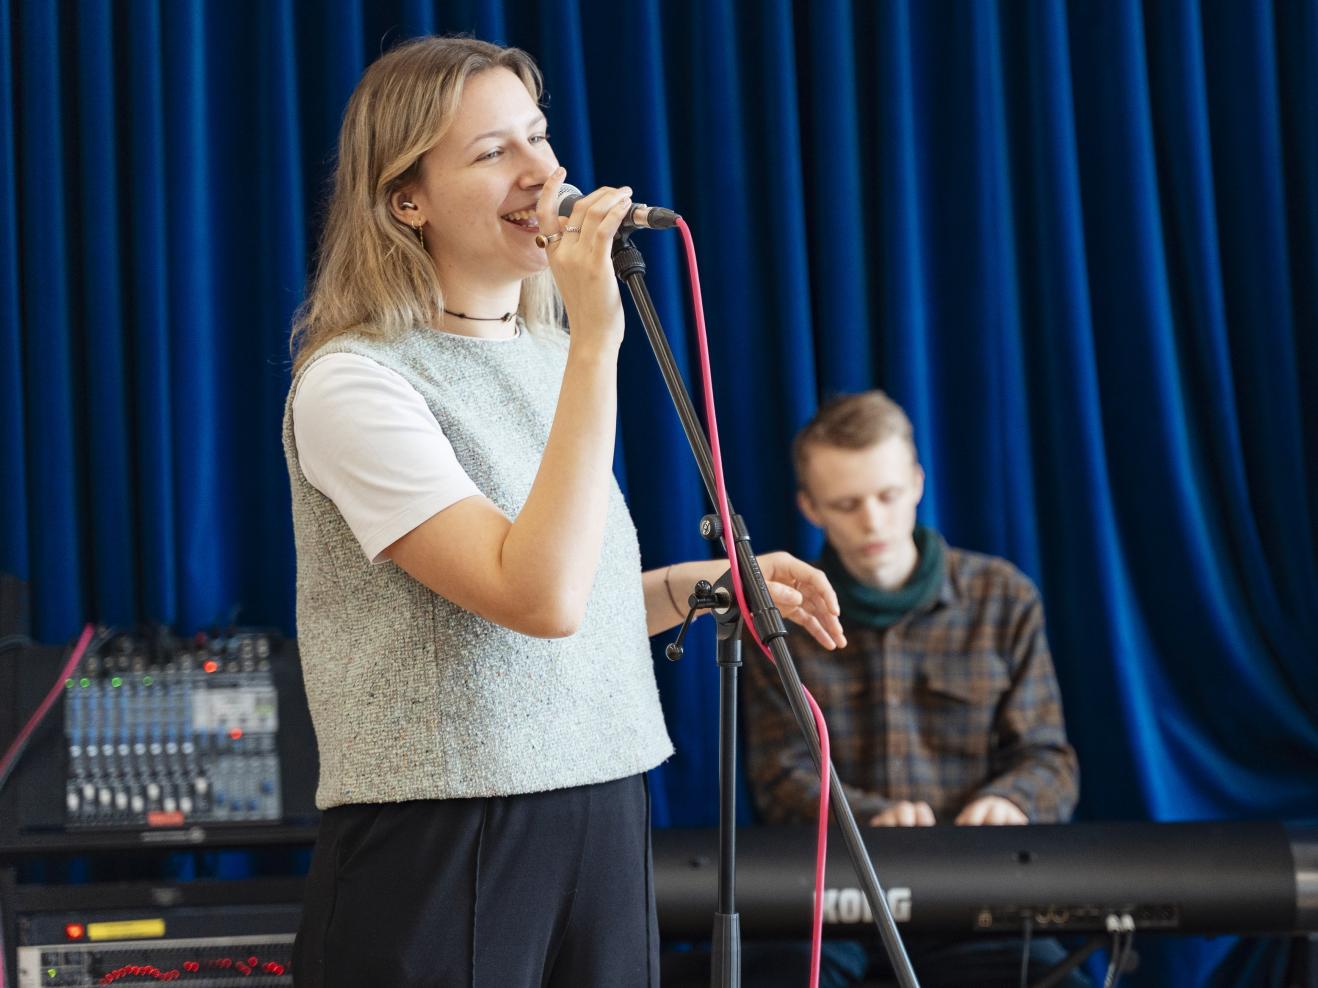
[[205, 934]]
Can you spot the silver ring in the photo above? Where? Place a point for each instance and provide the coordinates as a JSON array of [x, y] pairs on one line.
[[571, 229], [542, 241]]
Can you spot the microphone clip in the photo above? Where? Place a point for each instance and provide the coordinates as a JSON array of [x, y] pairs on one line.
[[718, 600], [704, 597]]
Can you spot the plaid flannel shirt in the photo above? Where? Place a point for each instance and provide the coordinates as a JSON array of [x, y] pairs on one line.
[[955, 701]]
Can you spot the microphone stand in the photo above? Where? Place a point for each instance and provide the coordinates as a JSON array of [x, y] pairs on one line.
[[629, 266], [725, 953]]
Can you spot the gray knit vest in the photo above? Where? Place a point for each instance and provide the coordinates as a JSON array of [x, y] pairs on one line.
[[413, 697]]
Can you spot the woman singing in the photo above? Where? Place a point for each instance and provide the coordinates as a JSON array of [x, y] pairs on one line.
[[472, 614]]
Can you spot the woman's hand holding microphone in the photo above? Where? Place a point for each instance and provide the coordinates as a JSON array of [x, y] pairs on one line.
[[579, 250]]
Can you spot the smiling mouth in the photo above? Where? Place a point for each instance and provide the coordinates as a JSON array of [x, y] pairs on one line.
[[525, 219]]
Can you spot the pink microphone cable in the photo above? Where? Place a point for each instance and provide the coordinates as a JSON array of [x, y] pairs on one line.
[[15, 749], [720, 490]]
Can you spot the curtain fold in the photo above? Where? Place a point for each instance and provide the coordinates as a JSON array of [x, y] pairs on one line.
[[58, 559], [146, 315], [839, 188], [900, 266], [1078, 241], [14, 544], [100, 318]]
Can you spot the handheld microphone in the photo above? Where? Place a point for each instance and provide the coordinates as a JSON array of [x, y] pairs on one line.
[[640, 217]]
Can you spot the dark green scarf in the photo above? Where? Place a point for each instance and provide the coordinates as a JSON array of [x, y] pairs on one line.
[[878, 608]]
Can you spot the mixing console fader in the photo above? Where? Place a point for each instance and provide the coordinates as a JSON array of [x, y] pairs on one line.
[[166, 736]]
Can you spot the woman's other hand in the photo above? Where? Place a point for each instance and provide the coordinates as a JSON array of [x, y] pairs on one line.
[[805, 597]]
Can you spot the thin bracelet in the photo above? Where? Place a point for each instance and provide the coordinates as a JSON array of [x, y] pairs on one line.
[[669, 587]]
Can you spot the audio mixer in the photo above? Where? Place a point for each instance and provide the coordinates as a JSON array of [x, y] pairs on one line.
[[162, 740], [169, 738]]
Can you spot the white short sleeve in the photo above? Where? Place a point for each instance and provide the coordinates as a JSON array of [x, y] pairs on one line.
[[367, 440]]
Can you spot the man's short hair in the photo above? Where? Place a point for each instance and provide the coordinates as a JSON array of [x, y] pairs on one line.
[[855, 421]]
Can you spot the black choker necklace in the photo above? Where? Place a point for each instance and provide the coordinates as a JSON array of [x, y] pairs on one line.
[[506, 317]]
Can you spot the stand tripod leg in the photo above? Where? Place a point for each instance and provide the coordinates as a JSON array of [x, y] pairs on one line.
[[725, 971]]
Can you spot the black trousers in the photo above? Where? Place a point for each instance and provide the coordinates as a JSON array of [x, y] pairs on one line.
[[543, 890]]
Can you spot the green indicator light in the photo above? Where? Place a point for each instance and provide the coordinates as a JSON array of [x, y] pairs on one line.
[[116, 681], [147, 680], [51, 972], [68, 683], [84, 682]]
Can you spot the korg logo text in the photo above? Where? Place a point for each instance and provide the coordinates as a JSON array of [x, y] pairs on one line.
[[849, 906]]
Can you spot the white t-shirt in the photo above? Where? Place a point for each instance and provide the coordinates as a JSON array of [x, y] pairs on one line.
[[366, 440]]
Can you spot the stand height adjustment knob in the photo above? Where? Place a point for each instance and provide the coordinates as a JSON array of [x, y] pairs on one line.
[[711, 528]]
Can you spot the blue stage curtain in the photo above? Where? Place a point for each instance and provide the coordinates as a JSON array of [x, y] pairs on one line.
[[1078, 241]]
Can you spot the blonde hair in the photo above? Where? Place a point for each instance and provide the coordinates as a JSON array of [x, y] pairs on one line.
[[372, 276], [855, 421]]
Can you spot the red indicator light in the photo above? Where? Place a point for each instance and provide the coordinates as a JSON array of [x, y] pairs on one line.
[[210, 665], [253, 961], [139, 971], [74, 931], [191, 966], [236, 733]]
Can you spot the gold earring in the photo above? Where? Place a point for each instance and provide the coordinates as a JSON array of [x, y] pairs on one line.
[[420, 234]]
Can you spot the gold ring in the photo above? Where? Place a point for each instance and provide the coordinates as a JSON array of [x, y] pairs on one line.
[[571, 229], [542, 241]]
